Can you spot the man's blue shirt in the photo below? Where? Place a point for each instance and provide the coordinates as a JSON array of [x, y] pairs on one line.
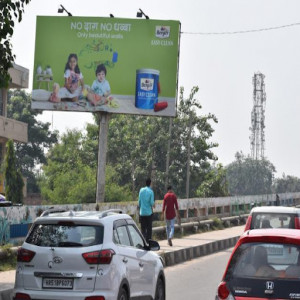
[[146, 201]]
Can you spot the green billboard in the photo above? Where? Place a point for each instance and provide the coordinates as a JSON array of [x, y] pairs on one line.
[[106, 64]]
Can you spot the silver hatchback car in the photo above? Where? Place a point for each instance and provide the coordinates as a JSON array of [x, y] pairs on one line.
[[88, 256]]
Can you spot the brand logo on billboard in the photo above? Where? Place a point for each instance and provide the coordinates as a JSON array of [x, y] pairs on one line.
[[147, 84], [162, 32]]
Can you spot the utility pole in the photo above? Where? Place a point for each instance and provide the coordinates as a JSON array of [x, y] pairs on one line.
[[168, 154], [188, 158], [102, 149]]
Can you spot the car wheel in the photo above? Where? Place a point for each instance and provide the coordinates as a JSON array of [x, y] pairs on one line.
[[160, 290], [122, 294]]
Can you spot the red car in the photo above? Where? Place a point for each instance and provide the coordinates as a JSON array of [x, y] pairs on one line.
[[273, 217], [265, 264]]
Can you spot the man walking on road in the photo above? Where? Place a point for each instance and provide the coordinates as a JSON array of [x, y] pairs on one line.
[[170, 211], [146, 205]]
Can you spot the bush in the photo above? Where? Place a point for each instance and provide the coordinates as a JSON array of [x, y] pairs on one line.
[[8, 258], [217, 223]]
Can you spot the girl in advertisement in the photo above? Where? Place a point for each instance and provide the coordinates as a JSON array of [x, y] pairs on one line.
[[74, 84]]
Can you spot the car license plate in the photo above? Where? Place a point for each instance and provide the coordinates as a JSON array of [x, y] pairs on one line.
[[58, 283], [275, 250]]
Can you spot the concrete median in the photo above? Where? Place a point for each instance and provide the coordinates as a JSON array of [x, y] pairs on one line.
[[197, 245]]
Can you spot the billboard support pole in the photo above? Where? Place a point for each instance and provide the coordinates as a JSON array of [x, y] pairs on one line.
[[102, 149]]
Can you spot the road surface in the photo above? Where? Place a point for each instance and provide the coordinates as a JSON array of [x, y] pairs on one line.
[[198, 278]]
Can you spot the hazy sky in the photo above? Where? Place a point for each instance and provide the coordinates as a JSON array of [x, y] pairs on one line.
[[221, 65]]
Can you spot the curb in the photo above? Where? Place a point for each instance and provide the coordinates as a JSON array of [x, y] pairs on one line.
[[6, 294], [178, 256]]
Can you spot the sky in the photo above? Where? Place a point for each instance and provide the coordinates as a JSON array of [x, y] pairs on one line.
[[221, 65]]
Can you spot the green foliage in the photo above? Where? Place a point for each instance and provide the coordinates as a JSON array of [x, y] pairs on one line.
[[73, 186], [137, 148], [194, 131], [67, 178], [286, 184], [8, 258], [9, 11], [13, 178], [247, 176], [217, 223], [113, 191], [40, 138], [70, 175], [214, 184]]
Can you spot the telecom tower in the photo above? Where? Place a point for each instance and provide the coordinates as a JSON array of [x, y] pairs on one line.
[[257, 138]]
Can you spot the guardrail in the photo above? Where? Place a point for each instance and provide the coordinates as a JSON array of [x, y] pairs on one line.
[[197, 225], [16, 221]]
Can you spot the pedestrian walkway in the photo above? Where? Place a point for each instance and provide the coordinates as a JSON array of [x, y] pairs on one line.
[[7, 281], [183, 249]]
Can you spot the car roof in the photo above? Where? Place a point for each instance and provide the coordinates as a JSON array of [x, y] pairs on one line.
[[276, 209], [82, 216], [271, 235]]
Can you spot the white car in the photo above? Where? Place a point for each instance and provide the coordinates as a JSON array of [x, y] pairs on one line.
[[273, 217], [88, 256]]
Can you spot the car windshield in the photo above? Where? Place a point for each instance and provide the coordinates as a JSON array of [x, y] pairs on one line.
[[265, 260], [59, 235], [272, 220]]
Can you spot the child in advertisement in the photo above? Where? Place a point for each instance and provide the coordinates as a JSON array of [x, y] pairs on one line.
[[74, 84], [100, 89]]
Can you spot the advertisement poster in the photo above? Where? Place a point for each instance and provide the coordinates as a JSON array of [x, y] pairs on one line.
[[90, 64]]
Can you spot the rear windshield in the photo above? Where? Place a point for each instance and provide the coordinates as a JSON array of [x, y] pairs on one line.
[[59, 235], [272, 220], [265, 260]]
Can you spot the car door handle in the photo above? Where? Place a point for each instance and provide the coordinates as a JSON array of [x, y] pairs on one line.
[[125, 260], [141, 264]]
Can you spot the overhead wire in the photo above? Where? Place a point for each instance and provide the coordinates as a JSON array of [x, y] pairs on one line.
[[242, 31]]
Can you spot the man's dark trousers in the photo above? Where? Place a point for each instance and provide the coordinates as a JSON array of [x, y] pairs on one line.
[[146, 226]]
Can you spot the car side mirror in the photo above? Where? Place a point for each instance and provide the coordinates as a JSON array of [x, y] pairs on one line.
[[153, 245]]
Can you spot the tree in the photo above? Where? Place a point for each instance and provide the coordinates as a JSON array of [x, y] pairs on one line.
[[247, 176], [9, 10], [70, 173], [286, 184], [138, 148], [188, 109], [214, 184], [66, 178], [13, 178], [113, 191], [40, 138]]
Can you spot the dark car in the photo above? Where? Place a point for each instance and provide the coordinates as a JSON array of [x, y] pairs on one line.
[[265, 264], [5, 203], [273, 217]]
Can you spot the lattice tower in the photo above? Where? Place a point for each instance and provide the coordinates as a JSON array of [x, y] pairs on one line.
[[257, 138]]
